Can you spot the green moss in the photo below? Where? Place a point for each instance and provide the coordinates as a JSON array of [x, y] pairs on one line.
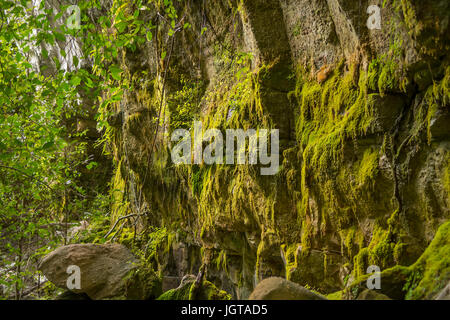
[[392, 283], [142, 283], [360, 262], [207, 291], [335, 296], [127, 236], [436, 98], [368, 167], [422, 280], [183, 104], [197, 176], [119, 205], [332, 115], [291, 257], [384, 249], [446, 178], [221, 261]]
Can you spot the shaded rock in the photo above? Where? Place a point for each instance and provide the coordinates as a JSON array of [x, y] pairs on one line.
[[372, 295], [276, 288], [143, 283], [103, 268]]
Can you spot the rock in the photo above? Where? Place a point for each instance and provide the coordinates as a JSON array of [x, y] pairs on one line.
[[276, 288], [439, 128], [372, 295], [444, 294], [393, 281], [103, 268], [69, 295]]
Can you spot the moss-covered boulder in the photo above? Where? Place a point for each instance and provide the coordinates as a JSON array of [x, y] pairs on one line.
[[103, 268], [143, 284], [207, 291], [431, 273]]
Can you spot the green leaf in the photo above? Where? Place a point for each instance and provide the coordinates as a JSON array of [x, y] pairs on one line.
[[115, 72]]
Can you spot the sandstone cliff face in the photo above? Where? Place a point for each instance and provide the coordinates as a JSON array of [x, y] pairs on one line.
[[364, 139]]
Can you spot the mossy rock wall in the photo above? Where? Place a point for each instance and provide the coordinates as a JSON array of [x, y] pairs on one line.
[[364, 143]]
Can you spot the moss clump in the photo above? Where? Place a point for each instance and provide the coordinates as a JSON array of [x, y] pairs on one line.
[[183, 104], [197, 176], [422, 280], [291, 258], [392, 283], [181, 293], [207, 291]]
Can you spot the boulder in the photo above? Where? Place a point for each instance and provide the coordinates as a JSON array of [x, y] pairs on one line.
[[103, 268], [276, 288]]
